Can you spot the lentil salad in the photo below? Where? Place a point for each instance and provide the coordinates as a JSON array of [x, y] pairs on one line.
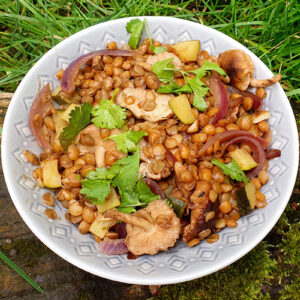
[[164, 138]]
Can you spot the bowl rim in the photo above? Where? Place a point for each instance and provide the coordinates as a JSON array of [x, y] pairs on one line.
[[184, 276]]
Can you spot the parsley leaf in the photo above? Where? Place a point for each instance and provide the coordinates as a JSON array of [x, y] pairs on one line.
[[156, 50], [96, 190], [135, 27], [127, 141], [206, 67], [232, 169], [79, 119], [108, 115], [200, 90], [159, 68]]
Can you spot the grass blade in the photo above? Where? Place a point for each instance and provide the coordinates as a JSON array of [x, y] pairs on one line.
[[20, 272]]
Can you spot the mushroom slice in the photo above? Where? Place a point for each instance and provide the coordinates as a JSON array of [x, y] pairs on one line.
[[151, 229], [198, 215], [162, 110], [152, 59], [240, 68]]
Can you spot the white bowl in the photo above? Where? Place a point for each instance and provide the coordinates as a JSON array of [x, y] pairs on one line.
[[179, 263]]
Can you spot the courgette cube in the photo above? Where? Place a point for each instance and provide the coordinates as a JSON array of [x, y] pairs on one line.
[[243, 159], [246, 198], [110, 202], [101, 226], [50, 174], [181, 107]]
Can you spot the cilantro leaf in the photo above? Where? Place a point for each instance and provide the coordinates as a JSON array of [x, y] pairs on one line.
[[200, 90], [104, 173], [140, 197], [135, 27], [159, 68], [108, 115], [144, 193], [232, 169], [96, 190], [127, 177], [127, 141], [156, 50], [206, 67], [174, 88], [79, 119]]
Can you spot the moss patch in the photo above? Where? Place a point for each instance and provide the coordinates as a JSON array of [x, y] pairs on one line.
[[28, 251]]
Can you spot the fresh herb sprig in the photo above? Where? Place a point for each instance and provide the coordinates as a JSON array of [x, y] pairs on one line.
[[123, 175], [165, 72], [135, 27], [232, 169], [127, 141], [80, 117]]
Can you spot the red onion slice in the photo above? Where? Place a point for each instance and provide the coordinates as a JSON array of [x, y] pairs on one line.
[[227, 135], [41, 105], [257, 101], [257, 149], [221, 98], [67, 81], [113, 247], [154, 187], [120, 228], [273, 153], [170, 157]]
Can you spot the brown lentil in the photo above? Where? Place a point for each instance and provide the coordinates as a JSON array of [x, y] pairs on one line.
[[48, 199], [50, 213]]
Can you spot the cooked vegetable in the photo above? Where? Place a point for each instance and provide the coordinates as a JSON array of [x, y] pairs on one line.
[[221, 98], [110, 202], [113, 247], [79, 119], [41, 106], [60, 124], [108, 115], [67, 81], [272, 153], [151, 229], [177, 205], [240, 68], [101, 225], [181, 107], [232, 169], [187, 50], [257, 149], [260, 116], [62, 98], [229, 135], [200, 90], [243, 159], [154, 187], [50, 174], [127, 141], [246, 198]]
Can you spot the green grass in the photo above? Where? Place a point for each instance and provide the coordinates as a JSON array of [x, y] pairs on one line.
[[270, 29]]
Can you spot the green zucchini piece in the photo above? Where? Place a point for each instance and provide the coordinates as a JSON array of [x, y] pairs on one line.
[[177, 205], [61, 98], [246, 198]]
